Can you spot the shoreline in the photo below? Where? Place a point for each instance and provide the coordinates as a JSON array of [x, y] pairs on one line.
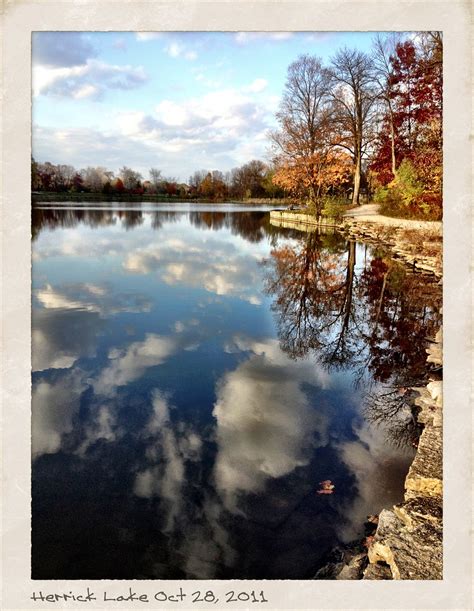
[[408, 542], [39, 197]]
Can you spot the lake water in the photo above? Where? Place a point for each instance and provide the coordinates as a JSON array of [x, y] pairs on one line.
[[197, 372]]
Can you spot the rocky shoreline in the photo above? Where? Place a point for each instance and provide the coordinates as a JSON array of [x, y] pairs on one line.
[[406, 542], [416, 243]]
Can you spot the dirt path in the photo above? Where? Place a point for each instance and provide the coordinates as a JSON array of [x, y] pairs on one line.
[[369, 212]]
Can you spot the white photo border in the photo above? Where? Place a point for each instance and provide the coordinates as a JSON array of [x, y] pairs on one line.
[[453, 18]]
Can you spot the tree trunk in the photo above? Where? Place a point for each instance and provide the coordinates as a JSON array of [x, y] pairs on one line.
[[357, 171], [392, 141]]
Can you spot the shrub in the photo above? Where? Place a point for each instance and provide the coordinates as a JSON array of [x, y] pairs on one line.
[[405, 196], [334, 208]]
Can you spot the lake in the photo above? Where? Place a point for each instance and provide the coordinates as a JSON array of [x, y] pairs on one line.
[[197, 373]]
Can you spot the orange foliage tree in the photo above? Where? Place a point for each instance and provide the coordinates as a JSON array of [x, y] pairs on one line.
[[322, 173]]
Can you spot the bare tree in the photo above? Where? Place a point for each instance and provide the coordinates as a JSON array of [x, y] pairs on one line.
[[304, 120], [155, 177], [383, 49], [354, 97], [130, 178], [94, 178]]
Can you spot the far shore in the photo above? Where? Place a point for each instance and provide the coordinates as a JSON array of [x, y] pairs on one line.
[[44, 197]]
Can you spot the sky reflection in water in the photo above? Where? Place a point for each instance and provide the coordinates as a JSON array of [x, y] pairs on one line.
[[172, 436]]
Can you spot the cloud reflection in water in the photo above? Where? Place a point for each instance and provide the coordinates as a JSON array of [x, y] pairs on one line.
[[265, 424]]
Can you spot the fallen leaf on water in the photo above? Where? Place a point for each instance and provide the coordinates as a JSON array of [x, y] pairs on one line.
[[327, 487]]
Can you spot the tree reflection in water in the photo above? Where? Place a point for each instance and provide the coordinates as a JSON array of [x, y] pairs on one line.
[[374, 316]]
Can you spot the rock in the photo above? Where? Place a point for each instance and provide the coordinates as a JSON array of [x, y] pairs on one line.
[[378, 570], [354, 569], [436, 391], [419, 510], [426, 472], [411, 553], [430, 413]]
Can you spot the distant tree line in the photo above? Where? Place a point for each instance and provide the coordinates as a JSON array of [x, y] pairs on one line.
[[252, 180]]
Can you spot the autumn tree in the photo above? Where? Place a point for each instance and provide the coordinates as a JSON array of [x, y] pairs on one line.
[[331, 170], [353, 93], [213, 186], [302, 143], [130, 178], [196, 179], [414, 83]]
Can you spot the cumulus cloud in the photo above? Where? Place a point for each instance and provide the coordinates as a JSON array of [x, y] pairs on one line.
[[61, 49], [220, 120], [219, 129], [89, 80], [266, 426]]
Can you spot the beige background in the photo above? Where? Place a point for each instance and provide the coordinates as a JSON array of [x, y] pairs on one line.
[[453, 18]]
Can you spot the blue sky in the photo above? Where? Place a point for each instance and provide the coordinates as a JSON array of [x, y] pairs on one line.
[[177, 101]]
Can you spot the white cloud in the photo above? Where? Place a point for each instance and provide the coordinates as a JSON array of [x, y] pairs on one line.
[[243, 38], [87, 91], [89, 80], [146, 36], [259, 84], [103, 425], [172, 113], [220, 129], [176, 49]]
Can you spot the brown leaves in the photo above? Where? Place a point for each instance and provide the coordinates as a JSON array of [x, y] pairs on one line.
[[320, 171]]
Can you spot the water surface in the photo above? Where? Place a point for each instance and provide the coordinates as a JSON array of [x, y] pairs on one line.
[[196, 373]]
